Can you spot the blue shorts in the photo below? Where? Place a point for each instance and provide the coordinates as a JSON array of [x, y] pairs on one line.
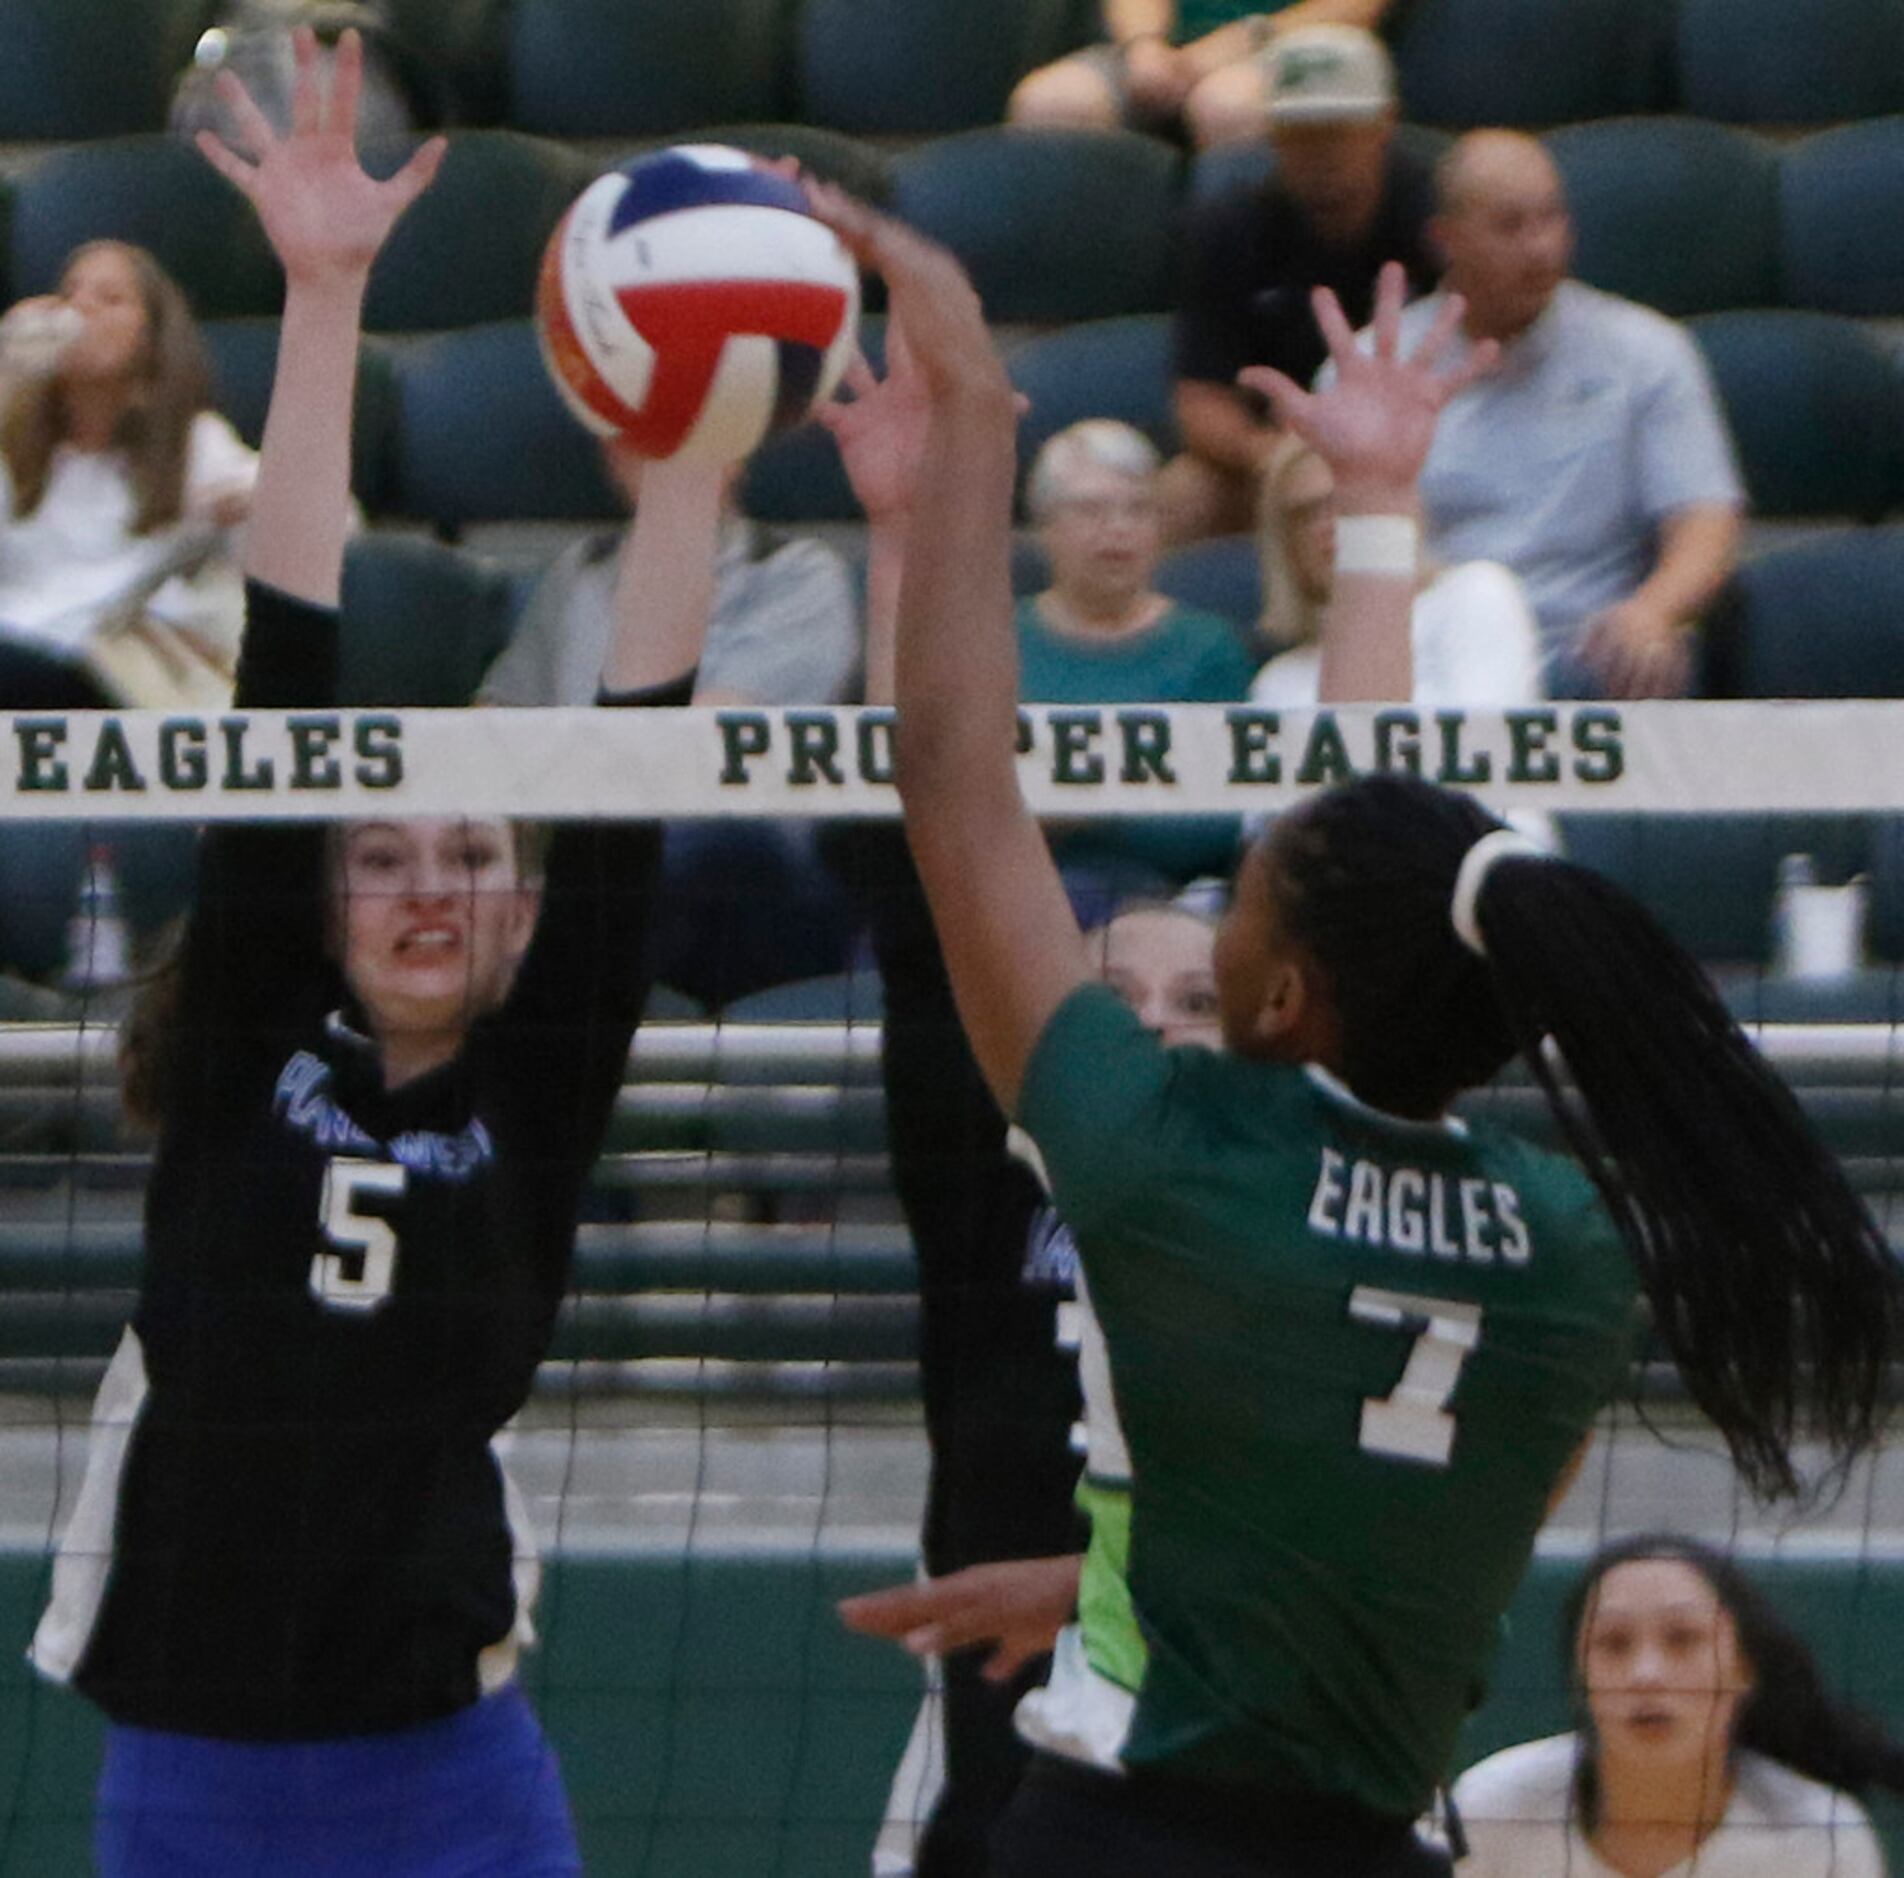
[[477, 1795]]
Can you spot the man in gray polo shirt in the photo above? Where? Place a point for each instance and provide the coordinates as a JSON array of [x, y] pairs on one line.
[[1595, 462]]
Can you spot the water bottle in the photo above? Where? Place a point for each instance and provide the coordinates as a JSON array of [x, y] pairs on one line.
[[1818, 931], [98, 942]]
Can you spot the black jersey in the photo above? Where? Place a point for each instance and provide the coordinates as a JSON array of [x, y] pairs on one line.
[[294, 1526], [996, 1266]]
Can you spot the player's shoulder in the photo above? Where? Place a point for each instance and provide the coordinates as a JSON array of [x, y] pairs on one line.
[[1621, 331], [1530, 1783], [1773, 1795]]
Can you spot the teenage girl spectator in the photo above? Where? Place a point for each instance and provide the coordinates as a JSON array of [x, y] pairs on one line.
[[1706, 1743], [112, 468], [1475, 642], [1169, 64], [1101, 633]]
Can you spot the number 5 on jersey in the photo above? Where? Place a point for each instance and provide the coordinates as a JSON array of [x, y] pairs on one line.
[[1412, 1422], [366, 1241]]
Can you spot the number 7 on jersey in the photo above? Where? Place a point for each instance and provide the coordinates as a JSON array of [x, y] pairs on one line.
[[1412, 1422]]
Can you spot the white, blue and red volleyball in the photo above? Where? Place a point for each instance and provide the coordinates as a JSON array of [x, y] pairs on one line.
[[690, 304]]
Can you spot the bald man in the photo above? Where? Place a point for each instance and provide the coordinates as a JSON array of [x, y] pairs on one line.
[[1595, 462]]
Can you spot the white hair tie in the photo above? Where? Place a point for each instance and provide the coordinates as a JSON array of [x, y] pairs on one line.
[[1503, 844]]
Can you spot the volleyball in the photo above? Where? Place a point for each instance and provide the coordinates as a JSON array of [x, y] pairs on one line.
[[691, 305]]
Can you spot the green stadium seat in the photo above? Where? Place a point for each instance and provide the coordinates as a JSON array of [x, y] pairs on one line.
[[1678, 214], [420, 623], [1121, 368], [1223, 576], [924, 67], [1841, 236], [1820, 619], [604, 68], [460, 43], [1816, 408], [483, 436], [73, 69], [1466, 62], [1885, 930], [469, 250], [1052, 225], [244, 356], [1765, 62], [153, 191]]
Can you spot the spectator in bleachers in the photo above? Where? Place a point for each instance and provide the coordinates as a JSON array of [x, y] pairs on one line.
[[1474, 635], [1102, 634], [116, 478], [785, 630], [1165, 64], [1342, 200], [1595, 462], [1706, 1740]]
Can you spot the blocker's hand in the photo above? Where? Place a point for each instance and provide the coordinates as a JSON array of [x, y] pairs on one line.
[[324, 216], [931, 300], [1374, 424], [1017, 1606]]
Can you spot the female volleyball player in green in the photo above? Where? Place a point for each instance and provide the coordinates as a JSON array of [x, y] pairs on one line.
[[1353, 1344]]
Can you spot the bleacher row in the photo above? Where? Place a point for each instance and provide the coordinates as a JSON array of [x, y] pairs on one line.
[[1790, 257], [589, 68]]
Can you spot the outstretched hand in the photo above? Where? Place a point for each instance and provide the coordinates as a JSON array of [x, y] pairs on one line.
[[881, 429], [1017, 1606], [1374, 424], [323, 215]]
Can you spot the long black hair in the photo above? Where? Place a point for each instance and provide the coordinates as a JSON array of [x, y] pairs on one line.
[[1789, 1716], [1770, 1283]]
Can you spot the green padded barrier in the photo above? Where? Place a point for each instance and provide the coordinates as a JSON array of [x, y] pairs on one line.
[[714, 1721]]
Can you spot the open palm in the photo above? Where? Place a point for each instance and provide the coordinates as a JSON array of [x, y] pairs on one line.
[[323, 215], [1374, 425]]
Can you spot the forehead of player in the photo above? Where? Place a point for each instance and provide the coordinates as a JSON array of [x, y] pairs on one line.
[[1158, 959], [426, 855]]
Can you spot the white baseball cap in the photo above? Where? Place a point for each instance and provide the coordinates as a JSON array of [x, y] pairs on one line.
[[1327, 74]]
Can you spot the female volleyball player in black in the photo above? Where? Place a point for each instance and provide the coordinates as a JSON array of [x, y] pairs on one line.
[[1354, 1344], [292, 1581]]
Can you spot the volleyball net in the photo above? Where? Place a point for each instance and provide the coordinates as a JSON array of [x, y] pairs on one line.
[[726, 1435]]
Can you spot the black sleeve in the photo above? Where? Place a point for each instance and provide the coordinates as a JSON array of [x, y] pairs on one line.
[[1000, 1395], [562, 1037], [255, 961], [1215, 325]]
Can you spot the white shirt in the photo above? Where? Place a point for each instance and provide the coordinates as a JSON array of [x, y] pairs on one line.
[[1517, 1810], [1475, 645], [76, 556]]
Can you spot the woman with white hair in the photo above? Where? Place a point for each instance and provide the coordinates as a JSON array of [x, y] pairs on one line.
[[1102, 634]]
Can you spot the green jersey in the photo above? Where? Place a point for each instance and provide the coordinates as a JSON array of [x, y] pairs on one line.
[[1334, 1364]]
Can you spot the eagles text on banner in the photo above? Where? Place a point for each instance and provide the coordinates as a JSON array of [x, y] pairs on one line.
[[1123, 759]]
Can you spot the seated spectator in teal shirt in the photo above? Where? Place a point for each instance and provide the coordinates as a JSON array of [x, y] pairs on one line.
[[1101, 634]]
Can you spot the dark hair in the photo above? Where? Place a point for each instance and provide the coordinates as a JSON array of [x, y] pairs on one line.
[[155, 432], [1789, 1716], [1764, 1270]]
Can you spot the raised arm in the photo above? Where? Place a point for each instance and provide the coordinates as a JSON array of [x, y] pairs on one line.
[[1373, 427], [1012, 945], [664, 584], [325, 219]]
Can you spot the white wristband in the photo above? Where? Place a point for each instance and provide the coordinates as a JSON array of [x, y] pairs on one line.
[[1378, 544]]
